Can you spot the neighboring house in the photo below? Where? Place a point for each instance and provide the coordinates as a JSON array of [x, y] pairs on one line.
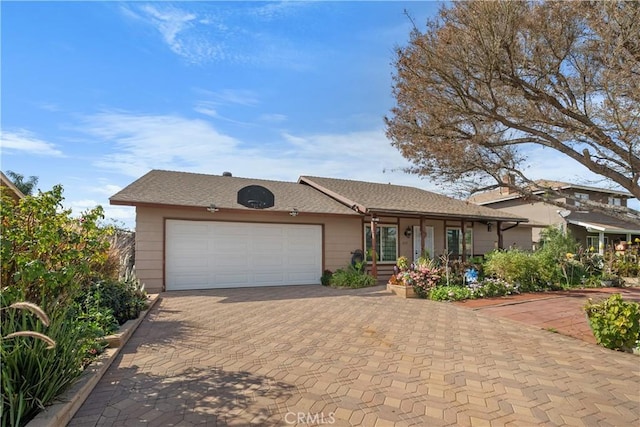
[[594, 230], [10, 187], [196, 231]]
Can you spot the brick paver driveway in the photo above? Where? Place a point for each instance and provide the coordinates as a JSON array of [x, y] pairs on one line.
[[308, 354]]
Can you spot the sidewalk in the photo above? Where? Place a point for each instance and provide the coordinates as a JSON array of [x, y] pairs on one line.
[[560, 311]]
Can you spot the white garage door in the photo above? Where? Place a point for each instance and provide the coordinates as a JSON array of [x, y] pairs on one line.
[[207, 254]]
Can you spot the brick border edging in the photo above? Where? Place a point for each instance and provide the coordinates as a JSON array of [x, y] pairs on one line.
[[59, 414]]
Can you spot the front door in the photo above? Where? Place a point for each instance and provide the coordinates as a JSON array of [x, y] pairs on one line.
[[428, 242]]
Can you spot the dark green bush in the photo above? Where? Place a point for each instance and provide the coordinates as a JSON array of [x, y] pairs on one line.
[[125, 299], [325, 279], [351, 277], [615, 322]]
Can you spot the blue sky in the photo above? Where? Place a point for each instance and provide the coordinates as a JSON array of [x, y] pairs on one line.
[[95, 94]]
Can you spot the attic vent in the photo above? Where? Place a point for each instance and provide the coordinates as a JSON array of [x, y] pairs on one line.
[[255, 197], [226, 174]]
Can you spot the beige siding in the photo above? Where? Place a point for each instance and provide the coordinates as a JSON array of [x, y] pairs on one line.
[[341, 235]]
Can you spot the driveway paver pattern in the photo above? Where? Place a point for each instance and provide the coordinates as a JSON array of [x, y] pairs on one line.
[[309, 355]]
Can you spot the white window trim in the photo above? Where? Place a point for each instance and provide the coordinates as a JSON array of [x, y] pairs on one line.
[[615, 201], [597, 242], [389, 225], [580, 196]]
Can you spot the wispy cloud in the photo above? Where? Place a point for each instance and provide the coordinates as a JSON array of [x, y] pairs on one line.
[[200, 33], [138, 143], [214, 100], [278, 9], [142, 142], [25, 141], [273, 118], [179, 30]]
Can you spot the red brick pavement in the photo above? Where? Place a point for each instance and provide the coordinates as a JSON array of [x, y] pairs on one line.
[[559, 311]]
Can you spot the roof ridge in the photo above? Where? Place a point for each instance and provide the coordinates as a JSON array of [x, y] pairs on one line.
[[375, 183], [221, 176]]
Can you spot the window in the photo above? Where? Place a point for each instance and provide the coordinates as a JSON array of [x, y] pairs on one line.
[[593, 243], [386, 242], [580, 196], [454, 241], [615, 201]]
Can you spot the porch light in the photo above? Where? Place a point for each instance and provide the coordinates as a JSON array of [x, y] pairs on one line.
[[408, 232], [294, 212], [213, 208], [489, 227]]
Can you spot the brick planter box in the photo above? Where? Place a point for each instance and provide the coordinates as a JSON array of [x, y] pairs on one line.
[[402, 291]]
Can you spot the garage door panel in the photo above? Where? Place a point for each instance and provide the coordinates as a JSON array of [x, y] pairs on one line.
[[230, 246], [269, 278], [230, 230], [202, 255], [228, 261], [230, 279]]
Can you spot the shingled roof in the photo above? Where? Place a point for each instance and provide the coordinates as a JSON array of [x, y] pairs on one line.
[[601, 222], [398, 199], [502, 194], [170, 188]]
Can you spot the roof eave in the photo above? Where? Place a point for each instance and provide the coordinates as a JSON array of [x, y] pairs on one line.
[[224, 208], [437, 215], [591, 227]]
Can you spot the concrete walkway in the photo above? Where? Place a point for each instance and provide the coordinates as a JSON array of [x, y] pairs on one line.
[[310, 355]]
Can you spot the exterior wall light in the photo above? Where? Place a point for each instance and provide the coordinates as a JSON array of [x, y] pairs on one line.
[[294, 212]]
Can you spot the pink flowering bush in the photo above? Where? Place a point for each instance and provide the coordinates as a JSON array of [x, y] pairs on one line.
[[422, 275]]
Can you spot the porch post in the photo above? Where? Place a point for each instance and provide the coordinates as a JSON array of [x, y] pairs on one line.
[[422, 237], [374, 254], [500, 237], [601, 243], [464, 242], [629, 242]]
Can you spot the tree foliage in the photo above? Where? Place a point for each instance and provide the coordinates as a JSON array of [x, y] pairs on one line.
[[487, 81], [26, 187]]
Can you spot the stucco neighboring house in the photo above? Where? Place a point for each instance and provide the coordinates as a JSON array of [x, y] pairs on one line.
[[595, 230], [7, 185], [197, 231]]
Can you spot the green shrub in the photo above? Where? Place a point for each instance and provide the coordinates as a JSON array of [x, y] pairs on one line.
[[125, 299], [491, 287], [351, 277], [615, 323], [47, 254], [325, 279], [449, 293], [53, 260], [558, 265], [32, 374], [515, 266]]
